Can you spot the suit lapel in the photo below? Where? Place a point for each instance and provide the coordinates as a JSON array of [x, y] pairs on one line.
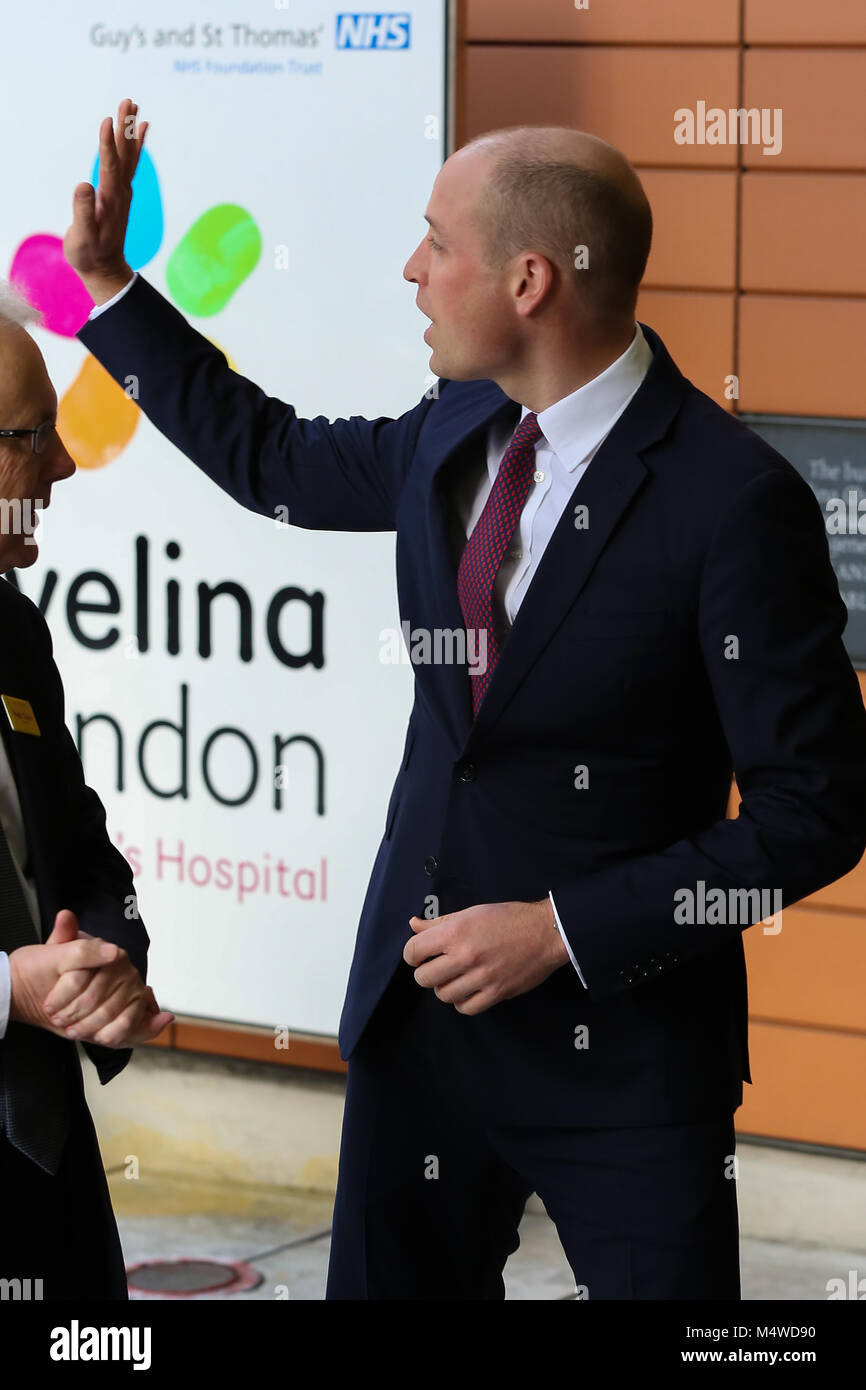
[[606, 489]]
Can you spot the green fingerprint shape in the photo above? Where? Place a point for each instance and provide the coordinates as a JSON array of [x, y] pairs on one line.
[[213, 259]]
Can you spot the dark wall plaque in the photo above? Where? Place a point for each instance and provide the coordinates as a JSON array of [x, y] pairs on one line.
[[831, 456]]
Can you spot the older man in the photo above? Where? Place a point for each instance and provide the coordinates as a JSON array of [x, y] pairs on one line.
[[73, 951]]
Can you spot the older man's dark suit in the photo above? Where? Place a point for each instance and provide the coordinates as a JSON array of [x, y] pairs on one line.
[[689, 627], [60, 1227]]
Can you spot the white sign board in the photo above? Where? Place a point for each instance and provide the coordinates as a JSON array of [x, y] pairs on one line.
[[247, 792]]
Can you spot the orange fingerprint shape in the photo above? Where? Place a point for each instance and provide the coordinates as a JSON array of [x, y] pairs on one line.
[[96, 418]]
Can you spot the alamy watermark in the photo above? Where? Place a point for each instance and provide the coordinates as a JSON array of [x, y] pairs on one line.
[[18, 517], [439, 646], [20, 1290], [738, 126], [741, 907]]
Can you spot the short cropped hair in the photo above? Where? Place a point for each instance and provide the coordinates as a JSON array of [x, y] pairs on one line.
[[535, 199]]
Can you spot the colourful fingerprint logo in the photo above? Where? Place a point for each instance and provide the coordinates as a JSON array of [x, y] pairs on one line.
[[96, 418]]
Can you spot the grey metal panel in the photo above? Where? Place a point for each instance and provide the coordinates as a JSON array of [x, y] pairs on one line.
[[831, 456]]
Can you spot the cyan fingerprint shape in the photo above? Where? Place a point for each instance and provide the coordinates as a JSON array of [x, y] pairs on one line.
[[145, 229], [213, 259]]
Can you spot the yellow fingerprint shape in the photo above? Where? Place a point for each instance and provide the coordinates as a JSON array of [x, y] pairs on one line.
[[96, 418]]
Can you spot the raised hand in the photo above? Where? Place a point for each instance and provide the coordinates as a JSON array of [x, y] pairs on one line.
[[93, 245]]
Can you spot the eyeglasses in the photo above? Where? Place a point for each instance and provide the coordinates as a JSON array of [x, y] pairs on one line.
[[38, 438]]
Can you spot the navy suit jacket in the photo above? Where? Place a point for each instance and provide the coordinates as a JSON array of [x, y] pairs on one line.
[[71, 858], [620, 661]]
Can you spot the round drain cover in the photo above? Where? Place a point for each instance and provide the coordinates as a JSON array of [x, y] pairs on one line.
[[188, 1278]]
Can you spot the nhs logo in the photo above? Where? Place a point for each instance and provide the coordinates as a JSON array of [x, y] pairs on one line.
[[373, 30]]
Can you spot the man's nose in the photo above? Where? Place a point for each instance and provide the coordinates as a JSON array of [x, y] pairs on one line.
[[61, 465], [409, 271]]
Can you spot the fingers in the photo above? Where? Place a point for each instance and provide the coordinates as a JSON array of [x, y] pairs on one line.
[[152, 1027], [478, 1003], [111, 1006], [438, 971], [83, 233], [83, 202], [107, 151], [94, 243], [69, 986], [150, 1001], [108, 991], [132, 1026], [462, 987], [122, 126], [124, 134], [128, 138], [113, 1031], [429, 939], [85, 953], [422, 923], [65, 928]]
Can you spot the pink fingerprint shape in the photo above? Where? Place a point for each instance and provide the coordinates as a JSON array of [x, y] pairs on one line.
[[49, 282]]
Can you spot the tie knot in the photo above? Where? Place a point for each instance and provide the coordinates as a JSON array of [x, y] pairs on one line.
[[528, 431]]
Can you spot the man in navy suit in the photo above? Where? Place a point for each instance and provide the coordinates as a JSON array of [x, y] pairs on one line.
[[548, 990], [73, 949]]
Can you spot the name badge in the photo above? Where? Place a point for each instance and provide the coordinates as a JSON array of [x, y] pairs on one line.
[[20, 715]]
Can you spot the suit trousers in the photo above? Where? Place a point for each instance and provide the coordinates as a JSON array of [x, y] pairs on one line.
[[431, 1191], [61, 1229]]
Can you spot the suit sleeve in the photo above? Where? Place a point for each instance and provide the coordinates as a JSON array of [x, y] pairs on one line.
[[98, 880], [770, 624], [345, 475]]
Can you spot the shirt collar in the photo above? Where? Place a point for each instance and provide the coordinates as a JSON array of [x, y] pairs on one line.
[[574, 425]]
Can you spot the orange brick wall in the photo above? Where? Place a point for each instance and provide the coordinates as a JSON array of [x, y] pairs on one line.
[[757, 272]]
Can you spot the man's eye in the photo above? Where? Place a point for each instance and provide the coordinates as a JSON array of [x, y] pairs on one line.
[[434, 244]]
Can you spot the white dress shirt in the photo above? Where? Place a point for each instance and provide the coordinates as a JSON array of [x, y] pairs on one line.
[[13, 827], [573, 429], [100, 308]]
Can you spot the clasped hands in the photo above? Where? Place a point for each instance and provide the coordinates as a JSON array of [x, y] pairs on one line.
[[81, 987], [475, 958]]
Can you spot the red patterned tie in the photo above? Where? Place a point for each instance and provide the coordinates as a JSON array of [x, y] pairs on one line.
[[487, 545]]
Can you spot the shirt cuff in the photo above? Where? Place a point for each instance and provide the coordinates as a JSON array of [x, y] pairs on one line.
[[115, 298], [567, 946], [5, 992]]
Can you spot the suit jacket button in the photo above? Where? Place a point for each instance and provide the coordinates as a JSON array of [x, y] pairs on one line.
[[431, 865], [466, 772]]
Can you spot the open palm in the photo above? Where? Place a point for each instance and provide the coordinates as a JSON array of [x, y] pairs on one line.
[[93, 245]]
